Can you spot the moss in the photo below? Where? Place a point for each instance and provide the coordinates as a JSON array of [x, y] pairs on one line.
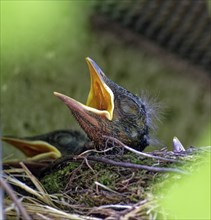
[[57, 180], [52, 183], [139, 160], [107, 177]]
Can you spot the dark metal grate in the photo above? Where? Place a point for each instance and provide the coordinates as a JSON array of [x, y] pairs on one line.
[[181, 26]]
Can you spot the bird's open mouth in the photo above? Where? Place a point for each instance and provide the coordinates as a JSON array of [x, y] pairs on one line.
[[36, 150], [100, 100]]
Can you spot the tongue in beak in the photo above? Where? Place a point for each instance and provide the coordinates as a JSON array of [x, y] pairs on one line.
[[100, 102]]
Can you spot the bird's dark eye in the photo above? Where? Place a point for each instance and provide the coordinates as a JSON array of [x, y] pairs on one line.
[[128, 106], [62, 138]]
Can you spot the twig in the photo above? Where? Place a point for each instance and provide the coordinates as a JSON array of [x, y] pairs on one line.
[[140, 153], [117, 163], [107, 188], [1, 189], [14, 198], [38, 185], [135, 166], [117, 206], [94, 151], [87, 163]]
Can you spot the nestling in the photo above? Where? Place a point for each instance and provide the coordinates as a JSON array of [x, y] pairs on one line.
[[111, 110]]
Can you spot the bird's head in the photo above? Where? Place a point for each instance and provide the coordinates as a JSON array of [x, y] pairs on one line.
[[110, 111]]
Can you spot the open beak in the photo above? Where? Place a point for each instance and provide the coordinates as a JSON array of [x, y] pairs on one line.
[[100, 100], [34, 150]]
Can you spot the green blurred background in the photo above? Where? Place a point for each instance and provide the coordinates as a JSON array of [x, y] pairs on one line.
[[43, 46]]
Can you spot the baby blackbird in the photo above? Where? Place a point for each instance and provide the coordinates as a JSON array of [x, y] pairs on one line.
[[51, 145], [111, 111]]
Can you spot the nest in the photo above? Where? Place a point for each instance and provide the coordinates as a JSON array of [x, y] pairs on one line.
[[95, 187]]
